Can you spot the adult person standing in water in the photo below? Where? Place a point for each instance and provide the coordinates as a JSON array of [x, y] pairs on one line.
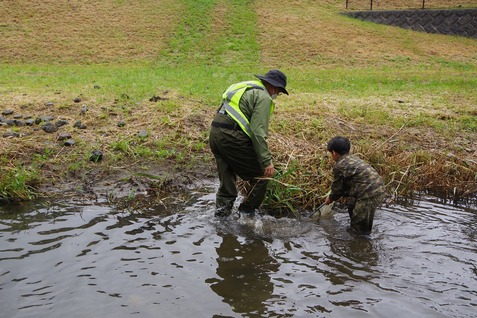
[[358, 181], [238, 140]]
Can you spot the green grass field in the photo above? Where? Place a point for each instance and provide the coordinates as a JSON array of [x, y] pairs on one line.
[[406, 99]]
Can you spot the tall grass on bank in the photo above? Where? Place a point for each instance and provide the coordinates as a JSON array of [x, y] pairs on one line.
[[304, 176], [19, 183]]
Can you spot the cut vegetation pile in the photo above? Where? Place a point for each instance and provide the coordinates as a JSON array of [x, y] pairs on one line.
[[145, 78]]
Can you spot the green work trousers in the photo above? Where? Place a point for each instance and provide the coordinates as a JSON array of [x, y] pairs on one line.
[[235, 156], [361, 212]]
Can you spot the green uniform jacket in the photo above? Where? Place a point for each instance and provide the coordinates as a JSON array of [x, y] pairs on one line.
[[256, 105], [353, 177]]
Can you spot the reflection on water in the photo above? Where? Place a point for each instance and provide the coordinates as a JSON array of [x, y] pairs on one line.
[[78, 260], [243, 268]]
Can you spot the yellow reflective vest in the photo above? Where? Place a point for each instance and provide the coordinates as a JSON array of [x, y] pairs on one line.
[[231, 100]]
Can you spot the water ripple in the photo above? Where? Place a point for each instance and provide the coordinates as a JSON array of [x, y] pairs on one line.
[[97, 261]]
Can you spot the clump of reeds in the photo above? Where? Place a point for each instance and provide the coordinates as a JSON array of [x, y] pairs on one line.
[[304, 172]]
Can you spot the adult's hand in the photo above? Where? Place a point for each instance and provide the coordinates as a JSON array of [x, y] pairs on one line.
[[269, 171]]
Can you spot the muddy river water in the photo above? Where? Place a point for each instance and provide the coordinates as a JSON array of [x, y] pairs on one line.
[[73, 259]]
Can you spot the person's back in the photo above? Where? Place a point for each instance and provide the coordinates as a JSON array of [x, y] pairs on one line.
[[361, 180], [356, 180], [238, 140]]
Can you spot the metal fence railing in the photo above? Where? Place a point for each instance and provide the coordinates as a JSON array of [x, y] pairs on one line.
[[371, 2], [408, 4]]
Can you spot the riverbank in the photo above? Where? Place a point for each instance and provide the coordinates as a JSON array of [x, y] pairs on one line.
[[152, 150], [142, 96]]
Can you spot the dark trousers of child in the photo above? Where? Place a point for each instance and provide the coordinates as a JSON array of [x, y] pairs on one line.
[[361, 213]]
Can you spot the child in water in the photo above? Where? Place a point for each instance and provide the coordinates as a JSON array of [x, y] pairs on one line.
[[356, 180]]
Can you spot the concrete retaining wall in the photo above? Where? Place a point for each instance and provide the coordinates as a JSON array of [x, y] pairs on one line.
[[461, 22]]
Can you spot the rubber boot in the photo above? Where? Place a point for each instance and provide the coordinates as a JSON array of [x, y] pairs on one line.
[[246, 210], [223, 211]]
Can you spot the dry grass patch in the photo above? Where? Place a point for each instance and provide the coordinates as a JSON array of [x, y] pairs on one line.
[[74, 31], [173, 132], [300, 34]]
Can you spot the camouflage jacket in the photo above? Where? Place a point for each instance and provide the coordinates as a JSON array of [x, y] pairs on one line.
[[355, 178]]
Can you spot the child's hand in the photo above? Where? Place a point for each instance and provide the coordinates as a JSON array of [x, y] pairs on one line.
[[327, 200]]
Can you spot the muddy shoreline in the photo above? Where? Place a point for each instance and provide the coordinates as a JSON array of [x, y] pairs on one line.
[[156, 187], [147, 159]]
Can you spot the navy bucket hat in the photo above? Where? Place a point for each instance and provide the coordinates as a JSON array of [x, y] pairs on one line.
[[275, 78]]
